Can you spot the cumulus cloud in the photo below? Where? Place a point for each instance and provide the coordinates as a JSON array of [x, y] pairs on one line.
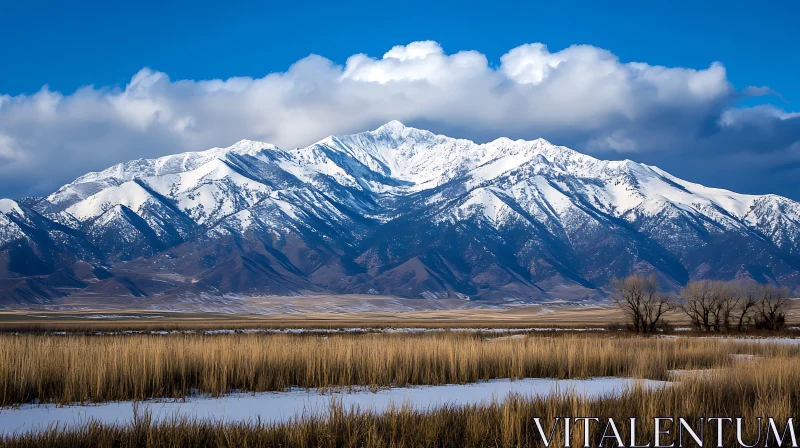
[[764, 115], [8, 148], [582, 96]]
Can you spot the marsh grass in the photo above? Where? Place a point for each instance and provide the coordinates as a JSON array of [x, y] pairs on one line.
[[74, 368], [749, 391]]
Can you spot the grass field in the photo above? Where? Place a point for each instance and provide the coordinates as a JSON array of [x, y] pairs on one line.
[[82, 366], [749, 391], [78, 368], [524, 316], [515, 317]]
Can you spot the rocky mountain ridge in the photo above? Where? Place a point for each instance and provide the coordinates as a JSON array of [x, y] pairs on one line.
[[396, 211]]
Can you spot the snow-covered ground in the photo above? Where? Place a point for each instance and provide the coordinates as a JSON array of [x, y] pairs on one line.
[[749, 340], [283, 406], [789, 341]]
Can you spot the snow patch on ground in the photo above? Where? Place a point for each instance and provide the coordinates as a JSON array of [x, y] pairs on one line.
[[270, 407]]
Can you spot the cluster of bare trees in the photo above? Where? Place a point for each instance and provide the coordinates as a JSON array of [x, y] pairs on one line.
[[709, 305], [726, 306]]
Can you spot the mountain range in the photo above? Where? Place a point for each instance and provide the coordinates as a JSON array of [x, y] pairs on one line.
[[397, 211]]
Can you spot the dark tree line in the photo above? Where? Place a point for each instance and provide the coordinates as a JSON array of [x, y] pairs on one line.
[[714, 306]]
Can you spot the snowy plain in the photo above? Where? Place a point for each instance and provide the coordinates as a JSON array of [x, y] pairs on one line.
[[273, 407]]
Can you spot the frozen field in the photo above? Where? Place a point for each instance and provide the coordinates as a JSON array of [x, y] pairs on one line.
[[283, 406]]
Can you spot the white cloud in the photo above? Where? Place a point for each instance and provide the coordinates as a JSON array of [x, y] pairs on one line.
[[581, 96], [414, 50], [8, 148], [616, 141], [418, 61], [763, 115]]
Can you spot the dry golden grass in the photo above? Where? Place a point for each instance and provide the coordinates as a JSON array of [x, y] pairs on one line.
[[78, 368], [749, 391]]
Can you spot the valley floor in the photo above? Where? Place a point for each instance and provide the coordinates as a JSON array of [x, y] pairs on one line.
[[126, 377], [337, 311], [593, 316]]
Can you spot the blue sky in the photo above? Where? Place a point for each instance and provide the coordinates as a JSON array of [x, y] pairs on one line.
[[67, 45]]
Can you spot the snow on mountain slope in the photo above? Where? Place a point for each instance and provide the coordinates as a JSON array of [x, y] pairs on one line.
[[132, 212], [9, 229], [621, 188], [779, 219], [395, 159], [211, 191], [359, 213], [130, 194], [92, 183], [8, 206], [539, 173], [408, 160], [736, 204], [415, 156], [38, 256], [398, 160]]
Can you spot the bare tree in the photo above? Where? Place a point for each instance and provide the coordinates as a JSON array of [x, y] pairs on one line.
[[725, 300], [628, 295], [698, 303], [748, 296], [642, 302], [771, 307]]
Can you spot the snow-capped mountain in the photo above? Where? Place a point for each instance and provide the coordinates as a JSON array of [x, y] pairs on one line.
[[395, 211]]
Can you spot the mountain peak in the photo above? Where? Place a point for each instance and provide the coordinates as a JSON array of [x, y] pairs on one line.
[[484, 219], [246, 143], [247, 147], [393, 126], [8, 206], [398, 131]]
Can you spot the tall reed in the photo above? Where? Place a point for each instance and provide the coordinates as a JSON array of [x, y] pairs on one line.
[[749, 391], [67, 369]]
